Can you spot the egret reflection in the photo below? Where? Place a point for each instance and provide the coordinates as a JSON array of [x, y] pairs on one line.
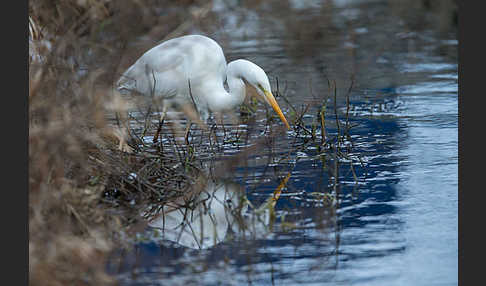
[[217, 213]]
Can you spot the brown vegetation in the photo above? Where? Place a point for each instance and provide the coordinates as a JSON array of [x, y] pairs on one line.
[[75, 168]]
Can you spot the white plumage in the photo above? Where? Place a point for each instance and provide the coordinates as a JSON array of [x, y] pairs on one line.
[[167, 70]]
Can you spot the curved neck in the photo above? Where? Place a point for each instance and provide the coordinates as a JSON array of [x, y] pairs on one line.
[[235, 73], [237, 90], [222, 100]]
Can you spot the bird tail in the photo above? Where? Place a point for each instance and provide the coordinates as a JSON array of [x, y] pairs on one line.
[[126, 83]]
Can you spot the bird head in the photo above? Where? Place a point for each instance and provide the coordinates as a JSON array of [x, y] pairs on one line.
[[256, 77]]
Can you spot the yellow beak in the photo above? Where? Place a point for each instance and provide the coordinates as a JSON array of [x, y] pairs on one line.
[[275, 107]]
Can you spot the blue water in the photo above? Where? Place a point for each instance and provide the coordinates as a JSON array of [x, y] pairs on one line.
[[396, 225]]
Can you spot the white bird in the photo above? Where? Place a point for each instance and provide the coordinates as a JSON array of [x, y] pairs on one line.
[[192, 70]]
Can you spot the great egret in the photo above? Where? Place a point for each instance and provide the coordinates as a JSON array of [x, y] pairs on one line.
[[192, 70]]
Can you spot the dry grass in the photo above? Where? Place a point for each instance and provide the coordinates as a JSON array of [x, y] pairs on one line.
[[74, 165]]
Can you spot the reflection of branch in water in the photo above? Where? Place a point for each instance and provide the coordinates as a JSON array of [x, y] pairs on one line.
[[207, 217], [218, 164]]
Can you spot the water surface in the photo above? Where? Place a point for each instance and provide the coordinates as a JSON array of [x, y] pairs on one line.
[[396, 222]]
